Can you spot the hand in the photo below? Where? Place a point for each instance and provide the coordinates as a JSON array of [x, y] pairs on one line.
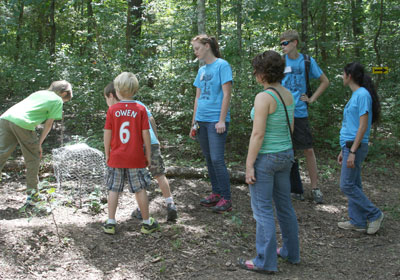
[[350, 160], [220, 127], [148, 159], [306, 99], [250, 177], [340, 158]]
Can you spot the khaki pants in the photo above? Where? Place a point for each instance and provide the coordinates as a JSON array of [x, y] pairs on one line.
[[10, 136]]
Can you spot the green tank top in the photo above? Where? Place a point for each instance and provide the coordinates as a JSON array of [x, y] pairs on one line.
[[277, 135]]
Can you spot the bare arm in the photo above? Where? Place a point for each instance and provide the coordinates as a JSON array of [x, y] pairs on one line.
[[147, 145], [198, 92], [153, 126], [324, 83], [107, 143], [227, 90], [362, 128], [262, 104], [47, 127]]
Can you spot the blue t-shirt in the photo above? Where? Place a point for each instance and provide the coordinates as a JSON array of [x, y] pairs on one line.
[[295, 81], [209, 80], [153, 138], [359, 104]]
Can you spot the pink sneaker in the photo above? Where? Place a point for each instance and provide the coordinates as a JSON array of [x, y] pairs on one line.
[[210, 200], [223, 206]]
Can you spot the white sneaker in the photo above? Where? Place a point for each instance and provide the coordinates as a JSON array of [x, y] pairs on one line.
[[349, 226], [374, 226]]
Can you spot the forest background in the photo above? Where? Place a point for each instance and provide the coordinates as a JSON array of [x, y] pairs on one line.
[[89, 42]]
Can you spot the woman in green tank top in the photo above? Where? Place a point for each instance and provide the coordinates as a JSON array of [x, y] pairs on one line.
[[268, 165]]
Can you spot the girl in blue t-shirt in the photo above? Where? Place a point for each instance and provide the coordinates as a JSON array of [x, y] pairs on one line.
[[360, 112], [211, 113]]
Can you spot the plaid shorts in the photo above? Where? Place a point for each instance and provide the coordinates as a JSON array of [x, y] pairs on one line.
[[138, 179], [157, 167]]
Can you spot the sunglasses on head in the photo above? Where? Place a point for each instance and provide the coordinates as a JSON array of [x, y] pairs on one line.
[[285, 43]]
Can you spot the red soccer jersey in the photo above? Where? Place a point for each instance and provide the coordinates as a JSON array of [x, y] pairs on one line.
[[126, 120]]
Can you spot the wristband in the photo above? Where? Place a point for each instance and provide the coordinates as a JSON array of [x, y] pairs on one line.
[[351, 152]]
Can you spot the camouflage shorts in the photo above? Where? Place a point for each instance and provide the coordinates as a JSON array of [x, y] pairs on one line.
[[138, 179], [157, 167]]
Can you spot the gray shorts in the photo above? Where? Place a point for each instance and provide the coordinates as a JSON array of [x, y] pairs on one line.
[[302, 138], [138, 179], [157, 167]]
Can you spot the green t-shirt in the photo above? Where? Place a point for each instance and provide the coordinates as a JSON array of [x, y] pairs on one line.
[[35, 109]]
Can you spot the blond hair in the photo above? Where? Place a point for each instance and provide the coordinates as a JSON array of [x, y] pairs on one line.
[[126, 84], [290, 35]]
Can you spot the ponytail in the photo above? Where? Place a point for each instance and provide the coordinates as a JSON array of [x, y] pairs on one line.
[[356, 70], [212, 41]]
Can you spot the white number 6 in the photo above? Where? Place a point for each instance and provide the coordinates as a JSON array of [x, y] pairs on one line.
[[124, 133]]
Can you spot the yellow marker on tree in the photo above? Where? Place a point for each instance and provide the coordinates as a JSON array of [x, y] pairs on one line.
[[380, 70]]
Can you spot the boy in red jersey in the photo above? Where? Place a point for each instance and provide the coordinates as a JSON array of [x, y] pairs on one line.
[[125, 132]]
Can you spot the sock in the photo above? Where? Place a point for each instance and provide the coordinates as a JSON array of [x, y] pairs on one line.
[[169, 200], [111, 221], [147, 222]]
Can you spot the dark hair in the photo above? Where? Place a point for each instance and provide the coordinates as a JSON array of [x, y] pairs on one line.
[[356, 70], [270, 65], [211, 40], [110, 89]]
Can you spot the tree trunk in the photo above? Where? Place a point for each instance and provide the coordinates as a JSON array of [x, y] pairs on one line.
[[376, 48], [239, 39], [358, 31], [53, 29], [19, 30], [324, 20], [133, 22], [201, 17], [219, 28], [304, 25], [90, 22]]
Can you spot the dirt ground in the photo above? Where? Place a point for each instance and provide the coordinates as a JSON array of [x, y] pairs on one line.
[[201, 244]]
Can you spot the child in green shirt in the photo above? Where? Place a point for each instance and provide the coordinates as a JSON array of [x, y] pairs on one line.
[[18, 123]]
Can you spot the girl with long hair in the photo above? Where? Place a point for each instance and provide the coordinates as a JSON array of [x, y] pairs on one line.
[[360, 112], [211, 113]]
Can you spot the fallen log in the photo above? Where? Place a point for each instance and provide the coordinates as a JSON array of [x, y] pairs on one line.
[[171, 171]]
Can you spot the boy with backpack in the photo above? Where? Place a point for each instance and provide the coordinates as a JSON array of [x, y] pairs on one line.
[[296, 80]]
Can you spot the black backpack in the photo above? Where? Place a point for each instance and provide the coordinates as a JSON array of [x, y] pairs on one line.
[[307, 64]]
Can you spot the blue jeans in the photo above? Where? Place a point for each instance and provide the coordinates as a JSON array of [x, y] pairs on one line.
[[272, 173], [213, 146], [360, 208]]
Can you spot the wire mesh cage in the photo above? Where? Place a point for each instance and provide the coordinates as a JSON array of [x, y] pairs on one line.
[[79, 168]]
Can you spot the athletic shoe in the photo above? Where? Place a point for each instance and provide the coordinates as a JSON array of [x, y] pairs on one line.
[[222, 206], [210, 200], [317, 195], [109, 228], [374, 226], [172, 214], [137, 214], [152, 227], [298, 196], [349, 226]]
